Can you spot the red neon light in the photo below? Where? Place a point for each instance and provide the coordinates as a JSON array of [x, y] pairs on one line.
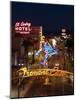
[[22, 27]]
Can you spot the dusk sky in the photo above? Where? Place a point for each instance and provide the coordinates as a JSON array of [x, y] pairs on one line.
[[52, 17]]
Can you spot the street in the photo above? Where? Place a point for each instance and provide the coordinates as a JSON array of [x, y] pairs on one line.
[[43, 86]]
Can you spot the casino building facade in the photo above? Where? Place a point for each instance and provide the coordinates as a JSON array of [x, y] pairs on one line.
[[26, 39]]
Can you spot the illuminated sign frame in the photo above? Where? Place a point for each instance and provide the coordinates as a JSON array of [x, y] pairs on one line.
[[23, 27]]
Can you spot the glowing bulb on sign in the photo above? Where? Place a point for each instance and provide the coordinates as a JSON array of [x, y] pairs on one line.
[[22, 27]]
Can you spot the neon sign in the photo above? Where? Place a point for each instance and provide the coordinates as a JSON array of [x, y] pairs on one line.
[[23, 27]]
